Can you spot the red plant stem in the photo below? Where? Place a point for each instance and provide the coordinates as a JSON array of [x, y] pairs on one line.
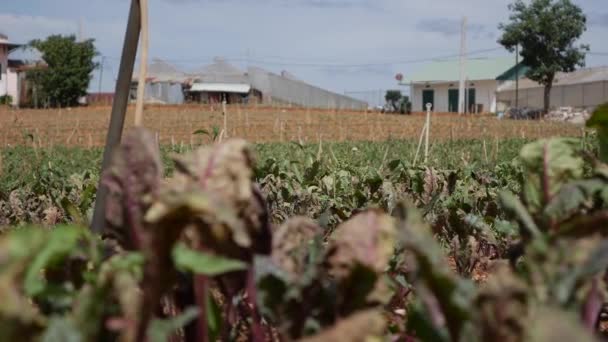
[[208, 171], [592, 306], [257, 330], [201, 291]]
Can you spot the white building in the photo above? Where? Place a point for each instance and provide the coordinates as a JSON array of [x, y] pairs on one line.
[[8, 76], [438, 84]]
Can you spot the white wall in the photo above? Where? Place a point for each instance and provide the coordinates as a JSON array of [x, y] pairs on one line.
[[485, 94], [4, 67], [12, 85], [586, 95]]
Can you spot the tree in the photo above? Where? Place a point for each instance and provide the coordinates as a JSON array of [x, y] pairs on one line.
[[69, 69], [547, 31], [393, 97]]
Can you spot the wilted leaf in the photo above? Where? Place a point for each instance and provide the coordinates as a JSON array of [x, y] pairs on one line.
[[430, 274], [291, 244], [502, 307], [367, 239], [541, 326], [364, 326]]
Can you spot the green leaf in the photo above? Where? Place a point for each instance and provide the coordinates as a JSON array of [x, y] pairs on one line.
[[160, 330], [572, 196], [210, 265], [599, 121], [512, 205], [548, 165], [419, 321], [61, 330], [214, 318], [72, 210], [61, 243], [201, 132]]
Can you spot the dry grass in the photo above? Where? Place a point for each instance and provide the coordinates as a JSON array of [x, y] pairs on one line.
[[87, 126]]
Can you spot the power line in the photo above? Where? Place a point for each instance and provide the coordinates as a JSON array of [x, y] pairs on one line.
[[262, 61]]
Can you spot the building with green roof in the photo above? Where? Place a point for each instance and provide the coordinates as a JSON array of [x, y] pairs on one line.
[[438, 83]]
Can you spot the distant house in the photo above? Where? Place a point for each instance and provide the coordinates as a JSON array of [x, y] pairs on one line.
[[15, 61], [8, 75], [221, 81], [438, 83]]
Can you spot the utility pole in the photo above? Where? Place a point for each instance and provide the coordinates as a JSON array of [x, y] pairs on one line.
[[80, 30], [103, 58], [463, 51], [517, 76]]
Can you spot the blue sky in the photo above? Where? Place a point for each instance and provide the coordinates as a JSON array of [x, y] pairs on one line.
[[342, 45]]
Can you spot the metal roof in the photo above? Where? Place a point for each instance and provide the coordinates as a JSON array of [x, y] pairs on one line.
[[587, 75], [218, 67], [161, 71], [221, 87], [4, 41], [449, 71], [516, 71]]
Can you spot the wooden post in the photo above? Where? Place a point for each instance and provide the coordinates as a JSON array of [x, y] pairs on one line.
[[225, 114], [119, 109]]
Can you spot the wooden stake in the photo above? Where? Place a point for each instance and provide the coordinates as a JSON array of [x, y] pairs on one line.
[[485, 151], [225, 114], [428, 126], [422, 132]]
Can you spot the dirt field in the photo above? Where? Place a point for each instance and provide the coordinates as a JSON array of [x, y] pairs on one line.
[[175, 125]]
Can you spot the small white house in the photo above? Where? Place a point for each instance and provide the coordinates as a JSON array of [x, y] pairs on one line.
[[8, 76], [438, 84]]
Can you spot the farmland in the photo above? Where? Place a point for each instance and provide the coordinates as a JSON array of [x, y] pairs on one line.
[[498, 234], [86, 127]]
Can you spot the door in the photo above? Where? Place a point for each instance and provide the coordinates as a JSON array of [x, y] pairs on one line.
[[453, 100], [428, 96], [471, 100]]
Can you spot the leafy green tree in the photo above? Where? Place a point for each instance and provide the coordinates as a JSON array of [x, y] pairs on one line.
[[69, 69], [547, 31], [392, 98]]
